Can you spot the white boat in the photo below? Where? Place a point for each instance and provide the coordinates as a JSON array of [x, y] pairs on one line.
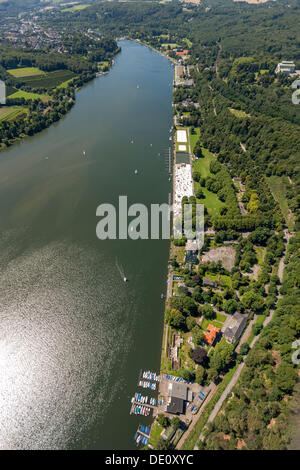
[[135, 172], [125, 279]]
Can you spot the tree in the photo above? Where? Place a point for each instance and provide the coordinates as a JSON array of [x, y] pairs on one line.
[[175, 423], [244, 349], [176, 319], [190, 322], [163, 420], [199, 355], [197, 335], [200, 375], [196, 176], [256, 329], [199, 194], [212, 375], [230, 306], [187, 375], [162, 444], [208, 312], [285, 377], [252, 300], [222, 356]]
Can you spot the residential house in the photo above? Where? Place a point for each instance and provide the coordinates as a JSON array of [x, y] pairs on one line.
[[235, 327], [211, 335]]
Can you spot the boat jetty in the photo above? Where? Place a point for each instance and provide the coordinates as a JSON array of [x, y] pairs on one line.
[[142, 435]]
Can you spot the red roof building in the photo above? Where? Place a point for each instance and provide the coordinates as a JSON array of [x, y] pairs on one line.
[[211, 334]]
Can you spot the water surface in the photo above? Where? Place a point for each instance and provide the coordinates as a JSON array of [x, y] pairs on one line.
[[73, 335]]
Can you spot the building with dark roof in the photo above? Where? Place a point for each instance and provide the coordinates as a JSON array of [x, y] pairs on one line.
[[235, 327], [175, 406]]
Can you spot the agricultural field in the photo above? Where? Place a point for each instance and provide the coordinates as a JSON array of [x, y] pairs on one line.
[[25, 72], [29, 96], [66, 83], [45, 79], [10, 113], [75, 8], [171, 45]]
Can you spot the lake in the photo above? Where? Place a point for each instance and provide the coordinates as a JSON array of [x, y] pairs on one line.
[[73, 335]]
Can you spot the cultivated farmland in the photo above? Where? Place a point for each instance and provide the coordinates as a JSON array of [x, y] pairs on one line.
[[39, 79], [25, 72]]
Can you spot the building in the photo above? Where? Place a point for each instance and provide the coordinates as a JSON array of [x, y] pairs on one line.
[[235, 327], [286, 67], [168, 433], [211, 334], [175, 406], [209, 282], [191, 252], [178, 394]]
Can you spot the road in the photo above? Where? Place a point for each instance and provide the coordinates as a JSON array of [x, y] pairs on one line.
[[242, 364]]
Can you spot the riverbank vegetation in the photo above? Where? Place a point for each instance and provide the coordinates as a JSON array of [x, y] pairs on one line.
[[244, 134], [41, 87], [245, 141]]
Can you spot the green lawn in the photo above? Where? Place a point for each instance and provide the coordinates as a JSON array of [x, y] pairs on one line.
[[278, 186], [172, 45], [259, 321], [155, 433], [221, 317], [188, 42], [211, 200], [205, 323], [12, 112], [25, 72], [239, 113], [66, 83], [260, 252], [28, 96], [222, 280], [194, 137], [75, 8]]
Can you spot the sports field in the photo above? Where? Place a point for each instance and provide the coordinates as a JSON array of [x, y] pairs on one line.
[[181, 136]]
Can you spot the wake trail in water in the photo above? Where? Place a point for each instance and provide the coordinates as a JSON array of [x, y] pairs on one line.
[[120, 269]]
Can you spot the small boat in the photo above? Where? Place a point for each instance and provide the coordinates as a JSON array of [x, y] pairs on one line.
[[83, 153], [135, 172], [125, 279]]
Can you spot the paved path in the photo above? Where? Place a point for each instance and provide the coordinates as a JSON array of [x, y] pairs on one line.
[[242, 364], [212, 387]]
